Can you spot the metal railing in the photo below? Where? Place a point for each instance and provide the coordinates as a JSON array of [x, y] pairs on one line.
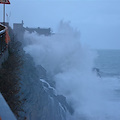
[[3, 44]]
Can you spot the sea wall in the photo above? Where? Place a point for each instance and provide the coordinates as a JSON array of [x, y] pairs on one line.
[[3, 44]]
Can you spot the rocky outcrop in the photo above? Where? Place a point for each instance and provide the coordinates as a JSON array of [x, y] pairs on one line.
[[27, 90]]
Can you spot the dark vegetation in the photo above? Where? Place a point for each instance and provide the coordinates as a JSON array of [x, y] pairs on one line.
[[9, 79]]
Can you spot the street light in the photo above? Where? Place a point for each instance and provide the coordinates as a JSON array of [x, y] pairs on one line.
[[4, 2]]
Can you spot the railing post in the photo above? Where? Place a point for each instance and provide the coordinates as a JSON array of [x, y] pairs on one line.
[[4, 14], [0, 44]]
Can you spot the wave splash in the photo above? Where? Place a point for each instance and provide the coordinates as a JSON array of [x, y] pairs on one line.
[[70, 66]]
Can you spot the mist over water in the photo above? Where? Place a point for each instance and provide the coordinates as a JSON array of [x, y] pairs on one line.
[[69, 65]]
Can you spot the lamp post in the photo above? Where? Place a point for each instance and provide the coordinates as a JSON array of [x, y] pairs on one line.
[[3, 13], [4, 2]]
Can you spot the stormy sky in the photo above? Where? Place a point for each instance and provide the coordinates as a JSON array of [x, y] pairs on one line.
[[97, 20]]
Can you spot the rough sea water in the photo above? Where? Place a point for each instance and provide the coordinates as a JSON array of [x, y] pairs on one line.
[[93, 94]]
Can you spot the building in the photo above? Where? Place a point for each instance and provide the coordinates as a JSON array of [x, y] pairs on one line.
[[19, 28]]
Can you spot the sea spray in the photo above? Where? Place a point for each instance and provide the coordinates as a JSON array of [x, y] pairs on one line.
[[70, 66]]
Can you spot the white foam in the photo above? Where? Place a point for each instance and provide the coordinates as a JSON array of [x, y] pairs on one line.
[[70, 65], [49, 87]]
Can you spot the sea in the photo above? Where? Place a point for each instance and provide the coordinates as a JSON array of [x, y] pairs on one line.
[[108, 62]]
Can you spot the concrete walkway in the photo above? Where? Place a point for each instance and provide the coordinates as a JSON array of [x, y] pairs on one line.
[[5, 111]]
